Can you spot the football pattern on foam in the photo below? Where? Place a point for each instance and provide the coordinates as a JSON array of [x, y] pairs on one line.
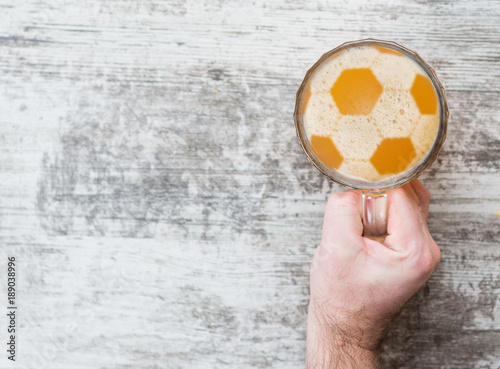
[[398, 108]]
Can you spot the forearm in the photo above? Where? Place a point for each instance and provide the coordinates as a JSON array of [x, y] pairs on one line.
[[330, 347]]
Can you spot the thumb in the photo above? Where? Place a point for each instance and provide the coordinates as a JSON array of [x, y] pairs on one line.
[[342, 222]]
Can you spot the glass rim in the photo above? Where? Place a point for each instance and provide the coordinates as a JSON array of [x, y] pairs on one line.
[[394, 180]]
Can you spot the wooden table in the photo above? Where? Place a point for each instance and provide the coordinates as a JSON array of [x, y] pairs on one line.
[[160, 210]]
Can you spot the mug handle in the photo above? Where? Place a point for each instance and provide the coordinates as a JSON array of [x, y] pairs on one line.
[[375, 214]]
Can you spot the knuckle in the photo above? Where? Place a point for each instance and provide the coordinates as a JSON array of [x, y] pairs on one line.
[[426, 262], [348, 198]]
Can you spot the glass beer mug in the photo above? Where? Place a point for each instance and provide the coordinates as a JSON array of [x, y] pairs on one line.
[[371, 115]]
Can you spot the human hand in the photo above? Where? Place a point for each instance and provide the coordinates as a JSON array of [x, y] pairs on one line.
[[357, 284]]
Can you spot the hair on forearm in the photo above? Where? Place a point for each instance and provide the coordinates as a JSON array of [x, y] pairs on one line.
[[338, 347]]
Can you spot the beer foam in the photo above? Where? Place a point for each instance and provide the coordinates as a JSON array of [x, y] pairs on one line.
[[395, 71], [359, 169], [424, 134], [326, 75], [321, 114], [356, 129], [394, 115]]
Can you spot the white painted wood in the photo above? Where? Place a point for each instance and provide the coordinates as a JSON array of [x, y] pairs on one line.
[[159, 206]]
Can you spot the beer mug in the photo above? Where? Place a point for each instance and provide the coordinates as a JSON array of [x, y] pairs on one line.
[[371, 115]]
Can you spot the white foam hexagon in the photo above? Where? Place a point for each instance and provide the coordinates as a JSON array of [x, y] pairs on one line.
[[357, 141], [393, 71], [424, 135], [321, 114], [395, 114], [325, 76], [357, 58], [361, 169]]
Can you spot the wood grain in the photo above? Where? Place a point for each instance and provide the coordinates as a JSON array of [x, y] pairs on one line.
[[161, 210]]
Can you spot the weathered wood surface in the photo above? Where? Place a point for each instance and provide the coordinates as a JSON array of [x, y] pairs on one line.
[[159, 206]]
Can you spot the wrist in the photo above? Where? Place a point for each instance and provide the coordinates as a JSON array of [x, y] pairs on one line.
[[329, 345]]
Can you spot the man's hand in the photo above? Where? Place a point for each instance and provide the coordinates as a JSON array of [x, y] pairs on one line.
[[357, 284]]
